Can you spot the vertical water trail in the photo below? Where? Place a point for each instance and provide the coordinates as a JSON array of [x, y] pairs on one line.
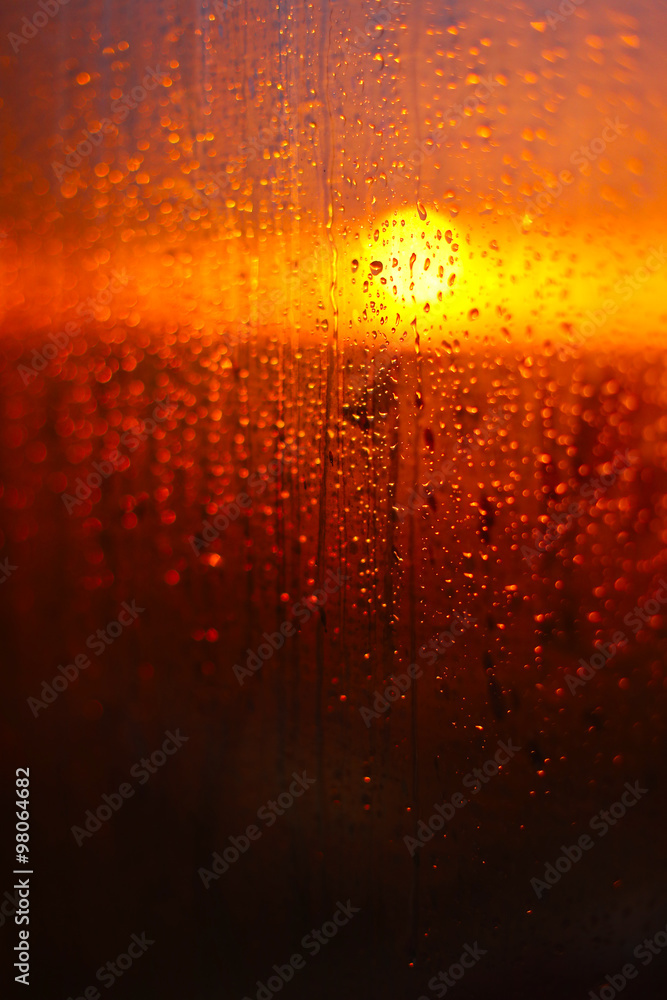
[[331, 356], [414, 534]]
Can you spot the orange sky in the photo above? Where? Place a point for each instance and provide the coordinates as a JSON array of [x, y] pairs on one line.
[[541, 147]]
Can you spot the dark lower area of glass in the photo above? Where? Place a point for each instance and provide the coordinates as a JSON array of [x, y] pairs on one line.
[[342, 841]]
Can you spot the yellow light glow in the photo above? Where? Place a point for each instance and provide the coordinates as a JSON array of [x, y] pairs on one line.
[[406, 261], [561, 280]]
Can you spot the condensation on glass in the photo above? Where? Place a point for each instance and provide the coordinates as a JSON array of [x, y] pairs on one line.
[[400, 268]]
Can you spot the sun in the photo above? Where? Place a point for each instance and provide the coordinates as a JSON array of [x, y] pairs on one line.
[[404, 268]]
